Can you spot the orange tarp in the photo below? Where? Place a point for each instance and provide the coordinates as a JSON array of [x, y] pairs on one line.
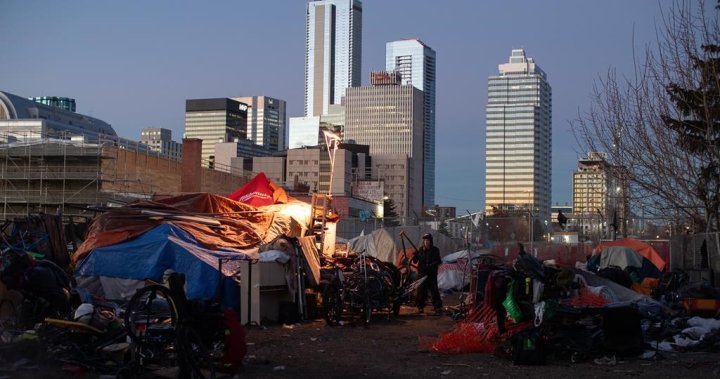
[[640, 247], [214, 221]]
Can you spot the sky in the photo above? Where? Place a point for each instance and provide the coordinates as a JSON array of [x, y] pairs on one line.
[[133, 64]]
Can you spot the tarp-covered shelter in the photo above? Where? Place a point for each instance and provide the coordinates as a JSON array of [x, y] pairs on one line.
[[115, 271], [186, 233]]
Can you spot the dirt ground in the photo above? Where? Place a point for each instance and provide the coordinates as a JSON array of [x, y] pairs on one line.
[[392, 349]]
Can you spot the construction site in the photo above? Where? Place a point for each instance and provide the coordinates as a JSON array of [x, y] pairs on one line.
[[66, 176]]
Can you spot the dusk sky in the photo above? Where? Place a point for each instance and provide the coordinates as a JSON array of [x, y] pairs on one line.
[[133, 64]]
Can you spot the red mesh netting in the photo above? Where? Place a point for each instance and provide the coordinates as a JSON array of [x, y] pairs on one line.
[[478, 333], [586, 298]]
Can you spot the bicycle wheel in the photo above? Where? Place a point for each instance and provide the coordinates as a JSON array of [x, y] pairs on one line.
[[151, 317], [10, 312], [366, 311], [193, 358], [331, 305]]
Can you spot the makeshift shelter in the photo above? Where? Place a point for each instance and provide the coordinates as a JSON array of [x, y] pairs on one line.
[[455, 271], [186, 233], [116, 271], [626, 253], [385, 243]]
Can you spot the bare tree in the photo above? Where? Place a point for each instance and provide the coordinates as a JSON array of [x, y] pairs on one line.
[[668, 145]]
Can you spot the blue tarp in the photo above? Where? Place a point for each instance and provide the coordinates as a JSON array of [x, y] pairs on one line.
[[167, 247]]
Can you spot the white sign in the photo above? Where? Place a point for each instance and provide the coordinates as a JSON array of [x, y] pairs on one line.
[[370, 189]]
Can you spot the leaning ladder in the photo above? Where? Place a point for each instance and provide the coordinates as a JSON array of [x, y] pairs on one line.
[[320, 206]]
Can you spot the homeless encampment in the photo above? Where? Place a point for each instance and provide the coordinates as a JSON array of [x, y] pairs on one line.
[[187, 233]]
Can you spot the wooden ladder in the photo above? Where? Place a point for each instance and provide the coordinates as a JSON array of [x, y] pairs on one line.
[[320, 207]]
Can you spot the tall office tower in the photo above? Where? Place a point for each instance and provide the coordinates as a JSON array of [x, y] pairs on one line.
[[415, 62], [160, 140], [600, 196], [214, 121], [266, 121], [395, 133], [332, 53], [519, 138]]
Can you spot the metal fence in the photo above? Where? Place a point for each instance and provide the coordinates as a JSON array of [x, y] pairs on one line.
[[699, 255]]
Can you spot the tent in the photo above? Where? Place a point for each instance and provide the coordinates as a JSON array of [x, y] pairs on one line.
[[625, 253], [385, 243], [259, 191]]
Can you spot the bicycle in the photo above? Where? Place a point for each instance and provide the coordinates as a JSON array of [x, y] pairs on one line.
[[160, 320]]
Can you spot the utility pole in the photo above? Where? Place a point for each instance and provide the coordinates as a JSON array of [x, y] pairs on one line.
[[530, 220]]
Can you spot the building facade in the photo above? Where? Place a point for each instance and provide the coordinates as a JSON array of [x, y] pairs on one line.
[[214, 121], [332, 53], [64, 103], [311, 166], [519, 138], [599, 197], [388, 117], [23, 120], [160, 140], [415, 61], [266, 122]]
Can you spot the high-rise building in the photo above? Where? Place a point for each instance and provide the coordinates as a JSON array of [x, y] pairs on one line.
[[415, 61], [519, 138], [397, 133], [333, 52], [600, 195], [266, 121], [213, 121], [160, 140]]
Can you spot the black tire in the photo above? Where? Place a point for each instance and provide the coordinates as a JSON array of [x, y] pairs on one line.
[[151, 317], [331, 305], [366, 311], [194, 359], [396, 308]]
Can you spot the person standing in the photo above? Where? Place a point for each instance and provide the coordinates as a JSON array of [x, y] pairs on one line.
[[428, 261]]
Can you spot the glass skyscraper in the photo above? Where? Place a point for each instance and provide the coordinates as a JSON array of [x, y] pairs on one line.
[[519, 138], [266, 121], [415, 61], [332, 53]]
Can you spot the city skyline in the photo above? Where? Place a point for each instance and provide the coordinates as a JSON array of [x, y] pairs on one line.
[[134, 65]]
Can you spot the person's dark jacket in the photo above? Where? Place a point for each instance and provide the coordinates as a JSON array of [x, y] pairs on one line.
[[428, 261]]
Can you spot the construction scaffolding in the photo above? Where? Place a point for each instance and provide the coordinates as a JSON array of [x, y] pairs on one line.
[[62, 174]]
